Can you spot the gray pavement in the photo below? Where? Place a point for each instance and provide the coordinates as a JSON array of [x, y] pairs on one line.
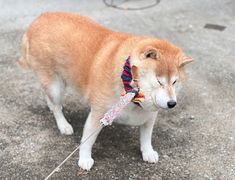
[[196, 140]]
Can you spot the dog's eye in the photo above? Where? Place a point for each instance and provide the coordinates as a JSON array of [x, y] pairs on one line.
[[160, 83], [174, 82]]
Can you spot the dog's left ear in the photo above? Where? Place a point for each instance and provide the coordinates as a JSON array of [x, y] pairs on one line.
[[185, 60], [145, 54]]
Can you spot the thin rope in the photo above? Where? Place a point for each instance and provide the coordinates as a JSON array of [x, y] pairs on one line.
[[58, 167]]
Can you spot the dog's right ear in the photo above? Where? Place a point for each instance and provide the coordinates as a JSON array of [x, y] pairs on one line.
[[149, 53], [185, 60]]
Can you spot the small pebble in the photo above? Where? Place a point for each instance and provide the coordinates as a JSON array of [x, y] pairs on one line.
[[165, 156], [191, 117]]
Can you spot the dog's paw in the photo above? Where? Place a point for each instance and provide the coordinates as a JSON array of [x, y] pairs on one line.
[[66, 129], [86, 163], [150, 156]]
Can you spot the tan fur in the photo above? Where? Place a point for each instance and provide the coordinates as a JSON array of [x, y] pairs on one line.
[[63, 48], [89, 56]]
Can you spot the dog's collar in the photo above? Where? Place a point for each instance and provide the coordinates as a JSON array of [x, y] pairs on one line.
[[129, 74]]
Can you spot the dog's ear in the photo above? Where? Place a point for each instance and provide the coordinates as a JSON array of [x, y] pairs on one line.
[[143, 54], [185, 60], [149, 53]]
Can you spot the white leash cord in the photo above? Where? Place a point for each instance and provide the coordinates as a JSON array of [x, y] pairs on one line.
[[106, 120], [58, 167]]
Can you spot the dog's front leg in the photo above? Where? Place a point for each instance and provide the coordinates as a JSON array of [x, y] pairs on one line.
[[146, 148], [91, 130]]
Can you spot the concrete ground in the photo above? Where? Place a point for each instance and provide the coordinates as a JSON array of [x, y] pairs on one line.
[[196, 140]]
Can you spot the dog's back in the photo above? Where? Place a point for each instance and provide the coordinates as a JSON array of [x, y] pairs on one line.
[[67, 44]]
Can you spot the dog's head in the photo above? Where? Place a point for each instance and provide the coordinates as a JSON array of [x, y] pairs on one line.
[[161, 71]]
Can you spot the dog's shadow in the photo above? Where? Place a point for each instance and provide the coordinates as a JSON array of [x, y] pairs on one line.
[[114, 139], [120, 139], [76, 118]]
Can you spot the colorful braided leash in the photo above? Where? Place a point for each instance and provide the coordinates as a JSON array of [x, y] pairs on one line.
[[130, 94], [128, 74]]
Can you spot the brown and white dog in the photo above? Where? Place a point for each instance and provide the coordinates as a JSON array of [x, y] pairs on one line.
[[67, 49]]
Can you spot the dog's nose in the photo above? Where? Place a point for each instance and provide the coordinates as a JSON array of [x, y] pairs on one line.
[[171, 104]]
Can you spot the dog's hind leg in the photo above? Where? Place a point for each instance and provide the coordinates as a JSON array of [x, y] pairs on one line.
[[54, 88]]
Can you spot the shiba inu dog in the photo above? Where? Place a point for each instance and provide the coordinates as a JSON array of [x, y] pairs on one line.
[[67, 49]]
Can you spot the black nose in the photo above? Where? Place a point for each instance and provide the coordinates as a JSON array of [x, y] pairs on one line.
[[171, 104]]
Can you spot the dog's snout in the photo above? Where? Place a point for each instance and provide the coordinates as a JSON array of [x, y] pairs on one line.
[[171, 104]]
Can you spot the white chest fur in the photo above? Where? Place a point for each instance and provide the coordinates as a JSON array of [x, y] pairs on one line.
[[134, 116]]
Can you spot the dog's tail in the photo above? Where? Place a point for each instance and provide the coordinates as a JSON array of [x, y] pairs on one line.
[[23, 60]]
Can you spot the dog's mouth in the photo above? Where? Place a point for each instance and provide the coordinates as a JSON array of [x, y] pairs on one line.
[[156, 105], [151, 104]]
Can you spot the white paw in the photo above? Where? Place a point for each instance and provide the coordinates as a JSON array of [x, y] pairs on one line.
[[86, 163], [150, 156], [66, 129]]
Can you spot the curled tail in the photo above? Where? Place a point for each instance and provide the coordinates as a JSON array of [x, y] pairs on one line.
[[23, 60]]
